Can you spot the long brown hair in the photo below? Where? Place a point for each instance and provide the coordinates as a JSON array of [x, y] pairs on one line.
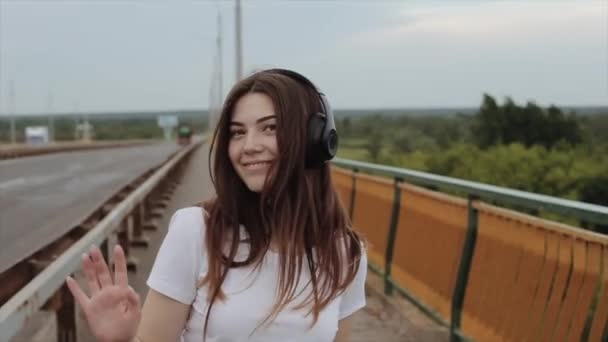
[[298, 208]]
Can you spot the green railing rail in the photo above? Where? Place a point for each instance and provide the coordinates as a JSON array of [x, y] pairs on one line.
[[584, 212]]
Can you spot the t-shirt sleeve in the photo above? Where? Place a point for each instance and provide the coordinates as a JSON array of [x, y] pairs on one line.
[[353, 297], [177, 265]]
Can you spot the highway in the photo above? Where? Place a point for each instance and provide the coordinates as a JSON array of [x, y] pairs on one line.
[[42, 197]]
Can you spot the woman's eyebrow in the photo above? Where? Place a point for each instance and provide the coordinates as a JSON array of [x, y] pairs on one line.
[[262, 119], [266, 118]]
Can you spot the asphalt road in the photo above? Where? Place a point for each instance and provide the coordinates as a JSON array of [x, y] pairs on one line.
[[42, 197]]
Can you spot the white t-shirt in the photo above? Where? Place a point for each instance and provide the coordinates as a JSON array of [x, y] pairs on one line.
[[181, 262]]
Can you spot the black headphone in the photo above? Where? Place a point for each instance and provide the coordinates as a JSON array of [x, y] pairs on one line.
[[322, 143]]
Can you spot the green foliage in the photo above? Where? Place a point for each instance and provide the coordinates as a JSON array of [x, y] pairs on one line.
[[594, 189], [374, 145], [105, 127], [355, 153], [133, 128], [344, 126], [595, 129], [527, 148], [410, 139], [529, 125], [536, 169]]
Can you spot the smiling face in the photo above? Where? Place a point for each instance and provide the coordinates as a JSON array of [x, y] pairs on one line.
[[252, 147]]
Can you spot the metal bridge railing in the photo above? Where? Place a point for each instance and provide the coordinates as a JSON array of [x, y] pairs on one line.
[[394, 207], [124, 222]]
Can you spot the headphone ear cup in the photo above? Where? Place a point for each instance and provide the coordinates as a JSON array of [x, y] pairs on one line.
[[316, 150], [331, 143]]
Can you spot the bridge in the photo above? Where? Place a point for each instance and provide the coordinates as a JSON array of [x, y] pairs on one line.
[[449, 259]]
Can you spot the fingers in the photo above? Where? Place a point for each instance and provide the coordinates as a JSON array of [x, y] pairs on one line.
[[133, 297], [97, 272], [81, 297], [90, 274], [120, 267], [101, 268]]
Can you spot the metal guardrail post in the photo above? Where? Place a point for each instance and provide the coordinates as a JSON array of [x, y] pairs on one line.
[[148, 204], [66, 317], [105, 249], [392, 232], [124, 239], [139, 240], [463, 270]]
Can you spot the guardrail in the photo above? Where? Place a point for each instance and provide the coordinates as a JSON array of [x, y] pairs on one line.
[[483, 271], [122, 222], [18, 151]]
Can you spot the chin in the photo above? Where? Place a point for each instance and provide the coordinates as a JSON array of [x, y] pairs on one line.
[[255, 188], [255, 185]]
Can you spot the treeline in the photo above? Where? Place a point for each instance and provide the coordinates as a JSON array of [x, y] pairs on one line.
[[530, 125], [104, 128], [541, 150]]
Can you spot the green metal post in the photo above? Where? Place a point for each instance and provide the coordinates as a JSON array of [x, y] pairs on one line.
[[353, 192], [463, 270], [392, 232]]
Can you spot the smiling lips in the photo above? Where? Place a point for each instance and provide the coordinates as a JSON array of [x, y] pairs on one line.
[[256, 165]]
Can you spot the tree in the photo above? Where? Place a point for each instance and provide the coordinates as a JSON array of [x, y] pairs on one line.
[[346, 125], [374, 145], [410, 139], [488, 122], [530, 125]]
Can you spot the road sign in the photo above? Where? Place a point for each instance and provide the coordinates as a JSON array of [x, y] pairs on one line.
[[167, 121]]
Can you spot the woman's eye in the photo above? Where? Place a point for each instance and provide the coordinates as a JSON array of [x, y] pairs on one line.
[[270, 128], [236, 133]]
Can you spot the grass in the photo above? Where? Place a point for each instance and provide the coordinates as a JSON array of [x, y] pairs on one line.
[[354, 153]]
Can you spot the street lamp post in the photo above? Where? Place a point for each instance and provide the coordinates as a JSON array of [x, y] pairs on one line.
[[239, 51]]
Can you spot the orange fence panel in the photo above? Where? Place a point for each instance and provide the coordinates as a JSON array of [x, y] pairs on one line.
[[530, 279], [574, 289], [372, 214], [599, 328], [428, 243], [343, 181], [590, 281]]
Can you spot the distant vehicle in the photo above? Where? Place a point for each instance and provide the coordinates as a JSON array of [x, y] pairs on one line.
[[36, 135], [184, 135]]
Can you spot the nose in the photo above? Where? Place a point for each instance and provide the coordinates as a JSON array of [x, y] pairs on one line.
[[252, 143]]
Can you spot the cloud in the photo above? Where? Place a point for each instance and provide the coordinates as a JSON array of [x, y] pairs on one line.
[[431, 55], [488, 21]]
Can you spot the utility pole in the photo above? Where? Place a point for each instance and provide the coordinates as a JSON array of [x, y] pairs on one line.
[[220, 55], [239, 52], [11, 99]]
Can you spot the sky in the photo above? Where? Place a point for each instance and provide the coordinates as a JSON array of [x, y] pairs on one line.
[[100, 56]]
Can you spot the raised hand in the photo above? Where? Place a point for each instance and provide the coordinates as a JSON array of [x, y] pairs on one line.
[[113, 308]]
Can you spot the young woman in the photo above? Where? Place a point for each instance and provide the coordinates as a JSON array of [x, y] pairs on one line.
[[271, 258]]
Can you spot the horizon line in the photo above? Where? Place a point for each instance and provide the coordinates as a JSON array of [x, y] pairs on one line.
[[174, 110]]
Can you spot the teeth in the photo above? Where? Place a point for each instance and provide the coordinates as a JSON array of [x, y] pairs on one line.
[[256, 164]]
